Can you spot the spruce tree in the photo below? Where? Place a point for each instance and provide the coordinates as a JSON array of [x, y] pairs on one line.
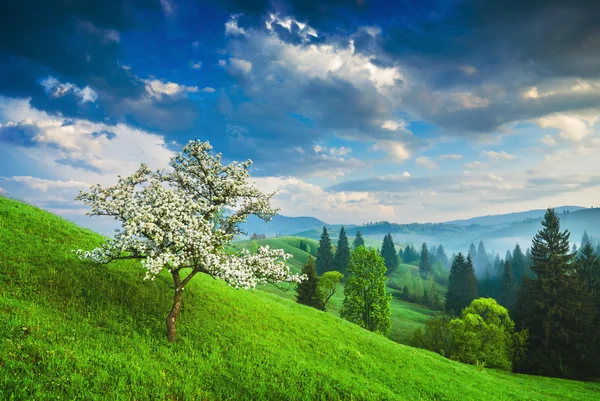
[[556, 307], [482, 261], [425, 265], [585, 239], [473, 252], [324, 255], [365, 300], [358, 240], [302, 245], [441, 256], [508, 289], [307, 290], [342, 253], [462, 285], [518, 263], [389, 255]]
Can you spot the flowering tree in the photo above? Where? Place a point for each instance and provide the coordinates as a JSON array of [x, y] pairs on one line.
[[182, 219]]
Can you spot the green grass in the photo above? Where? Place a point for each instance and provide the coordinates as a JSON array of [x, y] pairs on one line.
[[78, 331]]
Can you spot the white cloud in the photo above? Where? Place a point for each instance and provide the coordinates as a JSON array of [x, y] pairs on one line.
[[497, 156], [573, 127], [396, 150], [58, 89], [469, 100], [293, 196], [208, 89], [406, 174], [549, 140], [341, 151], [304, 30], [475, 165], [157, 88], [232, 28], [197, 65], [450, 157], [426, 162], [244, 66], [393, 125]]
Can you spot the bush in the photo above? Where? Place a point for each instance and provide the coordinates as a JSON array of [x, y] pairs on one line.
[[484, 335]]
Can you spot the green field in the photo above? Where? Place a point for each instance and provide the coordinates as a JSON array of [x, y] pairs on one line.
[[77, 331]]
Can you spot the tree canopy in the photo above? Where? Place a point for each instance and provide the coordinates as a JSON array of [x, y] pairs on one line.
[[182, 219]]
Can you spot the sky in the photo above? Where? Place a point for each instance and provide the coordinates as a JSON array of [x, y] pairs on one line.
[[353, 110]]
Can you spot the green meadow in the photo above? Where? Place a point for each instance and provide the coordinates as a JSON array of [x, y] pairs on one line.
[[79, 331]]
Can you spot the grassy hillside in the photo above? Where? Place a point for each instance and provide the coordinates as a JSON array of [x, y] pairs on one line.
[[75, 330], [288, 244]]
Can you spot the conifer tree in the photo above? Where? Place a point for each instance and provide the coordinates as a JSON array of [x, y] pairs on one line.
[[508, 256], [389, 255], [302, 245], [518, 263], [307, 290], [441, 256], [498, 266], [324, 255], [473, 252], [508, 288], [585, 239], [366, 302], [482, 261], [342, 253], [425, 265], [556, 308], [358, 240], [462, 285]]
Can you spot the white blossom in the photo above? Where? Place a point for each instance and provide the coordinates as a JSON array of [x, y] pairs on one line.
[[185, 217]]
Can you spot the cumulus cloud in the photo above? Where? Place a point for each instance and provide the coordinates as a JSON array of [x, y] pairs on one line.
[[58, 89], [570, 127], [158, 88]]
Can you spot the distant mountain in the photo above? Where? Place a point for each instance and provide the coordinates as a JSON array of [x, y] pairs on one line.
[[284, 225], [498, 219]]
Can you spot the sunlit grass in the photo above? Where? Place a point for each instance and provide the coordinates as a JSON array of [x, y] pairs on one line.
[[77, 331]]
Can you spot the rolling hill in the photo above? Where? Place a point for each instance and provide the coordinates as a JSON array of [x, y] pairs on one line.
[[75, 330]]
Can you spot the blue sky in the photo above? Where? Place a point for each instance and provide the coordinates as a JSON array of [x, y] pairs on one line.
[[355, 111]]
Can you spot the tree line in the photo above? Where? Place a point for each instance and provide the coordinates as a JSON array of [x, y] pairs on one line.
[[551, 292]]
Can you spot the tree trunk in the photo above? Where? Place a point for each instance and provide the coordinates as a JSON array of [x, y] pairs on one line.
[[172, 317]]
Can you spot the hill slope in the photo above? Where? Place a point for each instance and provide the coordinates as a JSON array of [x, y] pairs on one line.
[[74, 330]]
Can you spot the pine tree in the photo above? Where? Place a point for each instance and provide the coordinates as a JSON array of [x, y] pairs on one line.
[[482, 261], [389, 255], [508, 256], [518, 262], [441, 256], [462, 285], [302, 245], [307, 290], [358, 240], [401, 255], [556, 307], [434, 293], [498, 266], [425, 265], [365, 300], [473, 252], [324, 255], [585, 239], [342, 253], [508, 289]]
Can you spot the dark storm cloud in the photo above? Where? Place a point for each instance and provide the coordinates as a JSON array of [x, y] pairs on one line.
[[73, 39]]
